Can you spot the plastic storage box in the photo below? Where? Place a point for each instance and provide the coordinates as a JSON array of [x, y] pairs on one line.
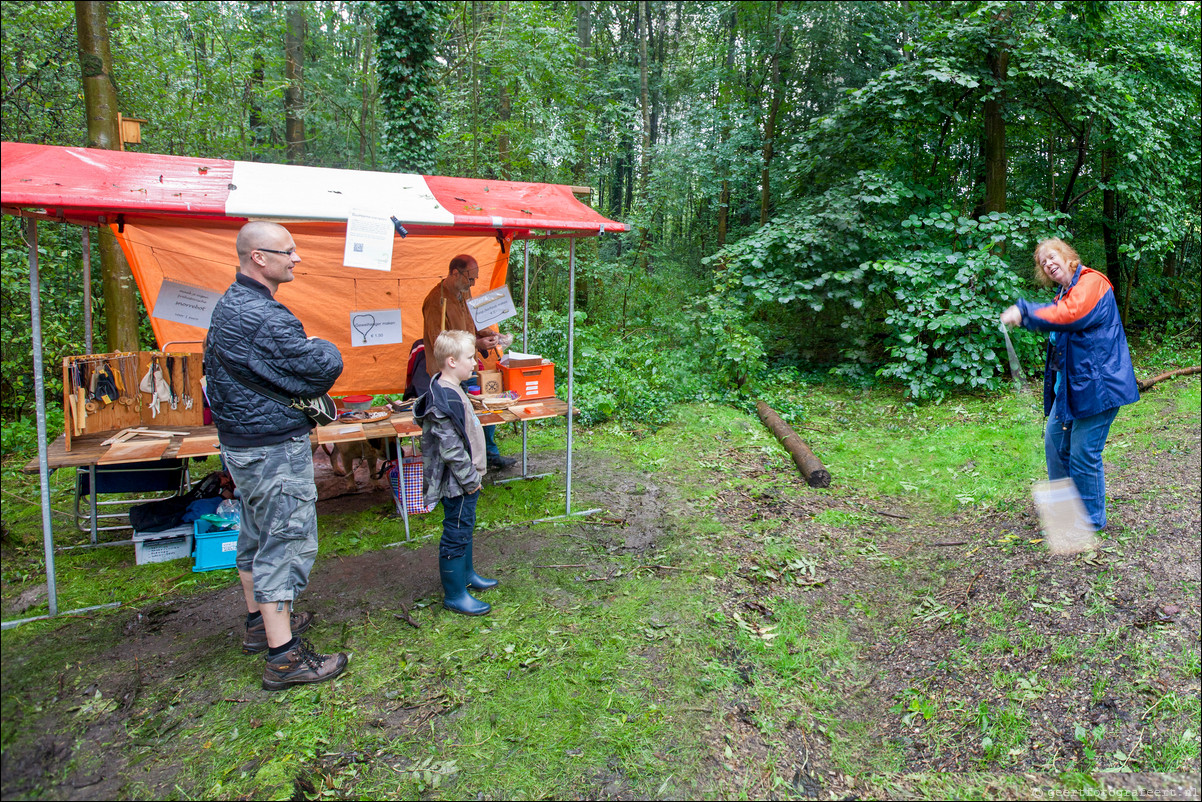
[[215, 548], [535, 381], [159, 547]]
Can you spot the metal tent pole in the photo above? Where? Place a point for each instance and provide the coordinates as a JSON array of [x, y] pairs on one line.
[[39, 385], [571, 352], [87, 292], [525, 331]]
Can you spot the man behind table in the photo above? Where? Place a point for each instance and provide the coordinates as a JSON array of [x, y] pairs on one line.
[[265, 447], [445, 309]]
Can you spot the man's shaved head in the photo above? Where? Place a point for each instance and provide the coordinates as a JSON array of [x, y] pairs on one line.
[[258, 234]]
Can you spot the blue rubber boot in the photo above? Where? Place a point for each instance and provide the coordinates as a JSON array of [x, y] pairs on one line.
[[453, 573], [474, 580]]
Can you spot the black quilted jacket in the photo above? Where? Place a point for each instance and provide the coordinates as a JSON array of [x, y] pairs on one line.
[[259, 336]]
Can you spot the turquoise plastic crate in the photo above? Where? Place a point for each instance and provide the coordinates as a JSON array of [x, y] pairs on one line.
[[215, 548]]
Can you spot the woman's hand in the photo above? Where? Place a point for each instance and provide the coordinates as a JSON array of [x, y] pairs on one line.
[[1012, 317]]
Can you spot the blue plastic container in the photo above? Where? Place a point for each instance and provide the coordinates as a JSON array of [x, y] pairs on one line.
[[215, 548]]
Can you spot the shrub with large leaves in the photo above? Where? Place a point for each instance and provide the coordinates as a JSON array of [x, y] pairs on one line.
[[922, 289]]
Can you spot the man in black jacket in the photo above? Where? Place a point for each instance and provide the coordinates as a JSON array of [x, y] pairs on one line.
[[265, 447]]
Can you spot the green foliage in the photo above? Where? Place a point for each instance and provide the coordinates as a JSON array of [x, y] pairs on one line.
[[921, 291], [639, 376], [408, 104], [61, 301]]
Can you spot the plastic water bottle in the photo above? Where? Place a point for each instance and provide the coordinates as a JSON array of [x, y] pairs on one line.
[[231, 509]]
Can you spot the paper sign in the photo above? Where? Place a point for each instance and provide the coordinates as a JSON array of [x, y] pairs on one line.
[[183, 303], [368, 241], [376, 327], [491, 307]]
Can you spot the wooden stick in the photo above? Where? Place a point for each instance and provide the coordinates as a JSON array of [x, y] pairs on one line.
[[1144, 384], [815, 473]]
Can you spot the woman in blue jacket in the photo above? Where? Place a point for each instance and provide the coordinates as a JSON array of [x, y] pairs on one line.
[[1088, 374]]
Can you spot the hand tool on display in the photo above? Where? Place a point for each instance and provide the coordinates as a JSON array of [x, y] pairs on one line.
[[119, 380], [73, 378], [187, 382], [150, 384], [170, 362], [80, 401], [90, 382], [106, 388], [129, 375]]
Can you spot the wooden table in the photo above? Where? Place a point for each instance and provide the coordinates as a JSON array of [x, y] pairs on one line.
[[201, 441]]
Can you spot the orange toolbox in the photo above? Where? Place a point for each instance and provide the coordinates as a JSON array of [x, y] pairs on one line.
[[529, 381]]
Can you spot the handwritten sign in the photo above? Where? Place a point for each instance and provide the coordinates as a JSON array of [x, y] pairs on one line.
[[183, 303], [491, 307], [368, 241], [376, 327]]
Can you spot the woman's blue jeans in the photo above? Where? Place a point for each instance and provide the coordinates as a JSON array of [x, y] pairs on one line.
[[1074, 449], [458, 523]]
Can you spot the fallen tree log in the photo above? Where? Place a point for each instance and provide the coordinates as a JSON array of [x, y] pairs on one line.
[[815, 473], [1144, 384]]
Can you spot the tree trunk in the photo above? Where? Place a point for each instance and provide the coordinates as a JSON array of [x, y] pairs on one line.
[[504, 111], [724, 196], [815, 473], [584, 39], [770, 123], [294, 97], [645, 156], [1110, 236], [995, 137], [100, 103], [367, 153]]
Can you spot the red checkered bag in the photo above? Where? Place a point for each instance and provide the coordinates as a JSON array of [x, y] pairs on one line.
[[412, 467]]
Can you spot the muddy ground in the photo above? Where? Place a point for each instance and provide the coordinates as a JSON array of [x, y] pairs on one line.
[[870, 578]]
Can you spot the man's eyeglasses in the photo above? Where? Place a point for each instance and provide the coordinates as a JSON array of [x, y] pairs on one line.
[[288, 252]]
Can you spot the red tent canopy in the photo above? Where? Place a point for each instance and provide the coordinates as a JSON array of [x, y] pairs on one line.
[[87, 184], [176, 219]]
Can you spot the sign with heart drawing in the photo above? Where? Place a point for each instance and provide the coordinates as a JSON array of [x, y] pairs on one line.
[[376, 327]]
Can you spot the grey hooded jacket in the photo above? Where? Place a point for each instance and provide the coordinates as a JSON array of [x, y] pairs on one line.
[[447, 468]]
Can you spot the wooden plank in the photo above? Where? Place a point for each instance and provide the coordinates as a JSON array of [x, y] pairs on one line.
[[134, 452], [405, 427], [377, 429], [339, 432], [492, 418], [535, 411], [199, 446]]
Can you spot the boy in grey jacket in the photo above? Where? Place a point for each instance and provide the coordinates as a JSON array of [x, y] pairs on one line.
[[453, 463]]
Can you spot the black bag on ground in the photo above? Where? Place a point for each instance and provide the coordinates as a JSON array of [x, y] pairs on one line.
[[156, 516]]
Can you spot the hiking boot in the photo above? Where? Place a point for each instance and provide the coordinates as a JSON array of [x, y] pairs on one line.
[[255, 640], [496, 462], [300, 665]]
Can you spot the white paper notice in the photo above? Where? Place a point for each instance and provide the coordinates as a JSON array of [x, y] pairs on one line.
[[183, 303], [491, 307], [368, 241], [376, 327]]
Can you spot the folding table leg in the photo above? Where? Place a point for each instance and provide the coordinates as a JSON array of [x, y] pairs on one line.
[[92, 500], [400, 479]]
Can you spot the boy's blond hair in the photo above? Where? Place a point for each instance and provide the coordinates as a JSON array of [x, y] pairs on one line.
[[453, 343]]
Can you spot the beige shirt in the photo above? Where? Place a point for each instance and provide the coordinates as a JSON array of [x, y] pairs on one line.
[[475, 432]]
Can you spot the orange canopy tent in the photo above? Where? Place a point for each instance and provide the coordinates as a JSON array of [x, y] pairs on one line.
[[176, 219]]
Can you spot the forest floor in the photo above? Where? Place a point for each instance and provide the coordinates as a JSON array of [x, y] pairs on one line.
[[718, 631]]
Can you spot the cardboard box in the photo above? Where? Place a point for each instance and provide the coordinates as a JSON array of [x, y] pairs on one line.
[[515, 359], [491, 382], [530, 382]]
